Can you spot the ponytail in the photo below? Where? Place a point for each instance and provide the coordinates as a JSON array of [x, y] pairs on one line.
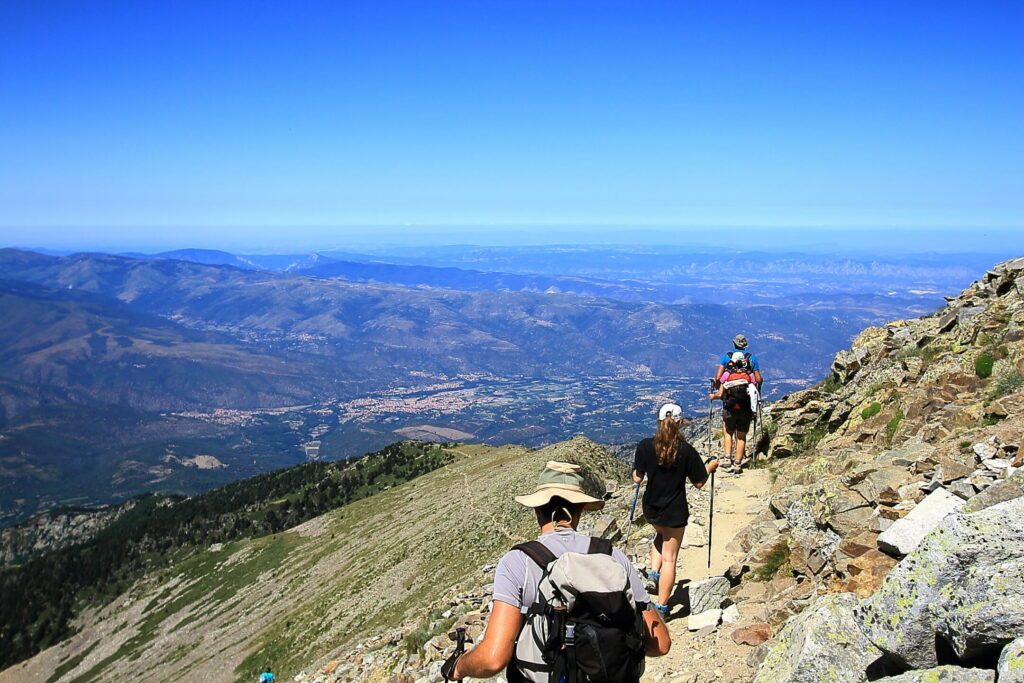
[[666, 441]]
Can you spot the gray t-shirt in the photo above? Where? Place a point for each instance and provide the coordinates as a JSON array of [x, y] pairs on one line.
[[517, 576]]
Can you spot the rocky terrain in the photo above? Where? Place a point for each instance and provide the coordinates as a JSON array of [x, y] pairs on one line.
[[53, 530]]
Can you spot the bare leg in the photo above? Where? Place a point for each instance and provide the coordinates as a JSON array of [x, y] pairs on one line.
[[656, 552], [741, 446], [727, 442], [671, 540]]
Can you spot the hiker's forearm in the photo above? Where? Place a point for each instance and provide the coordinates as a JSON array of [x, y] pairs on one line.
[[477, 663], [658, 642], [495, 651]]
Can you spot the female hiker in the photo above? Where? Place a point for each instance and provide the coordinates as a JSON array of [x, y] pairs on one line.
[[667, 461]]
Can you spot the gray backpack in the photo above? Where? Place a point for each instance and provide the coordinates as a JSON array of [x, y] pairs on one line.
[[585, 626]]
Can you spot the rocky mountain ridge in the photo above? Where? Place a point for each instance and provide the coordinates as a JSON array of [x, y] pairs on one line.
[[898, 493]]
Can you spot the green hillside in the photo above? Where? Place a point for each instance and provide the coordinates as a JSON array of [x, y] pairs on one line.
[[291, 597], [41, 597]]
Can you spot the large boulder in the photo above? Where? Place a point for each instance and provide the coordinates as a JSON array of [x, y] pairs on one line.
[[1011, 663], [905, 534], [944, 674], [823, 643], [964, 584]]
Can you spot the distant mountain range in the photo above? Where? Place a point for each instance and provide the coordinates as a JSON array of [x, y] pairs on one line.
[[124, 369]]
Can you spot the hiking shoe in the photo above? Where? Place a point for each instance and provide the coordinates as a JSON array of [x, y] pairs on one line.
[[654, 576], [663, 610]]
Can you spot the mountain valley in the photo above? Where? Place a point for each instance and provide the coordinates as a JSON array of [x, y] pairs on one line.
[[129, 371]]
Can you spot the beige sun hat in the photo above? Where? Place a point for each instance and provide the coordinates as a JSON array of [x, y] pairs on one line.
[[562, 479]]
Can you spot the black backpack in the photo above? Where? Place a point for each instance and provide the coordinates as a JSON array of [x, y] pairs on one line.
[[735, 398], [584, 624], [739, 366]]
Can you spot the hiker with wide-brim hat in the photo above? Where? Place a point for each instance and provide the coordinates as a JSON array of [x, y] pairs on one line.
[[667, 461], [558, 502], [738, 416]]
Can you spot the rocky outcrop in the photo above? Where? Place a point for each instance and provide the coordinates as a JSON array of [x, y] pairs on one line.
[[943, 674], [56, 529], [963, 587], [959, 595], [1011, 663], [898, 481], [824, 643]]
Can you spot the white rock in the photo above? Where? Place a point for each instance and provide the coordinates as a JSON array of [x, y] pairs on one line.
[[985, 450], [711, 617], [997, 464], [731, 614], [905, 534]]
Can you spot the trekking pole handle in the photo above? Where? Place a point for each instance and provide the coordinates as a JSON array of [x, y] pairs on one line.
[[460, 640], [448, 668]]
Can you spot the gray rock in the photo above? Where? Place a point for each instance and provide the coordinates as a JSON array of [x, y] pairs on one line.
[[963, 488], [606, 527], [708, 594], [948, 320], [707, 618], [823, 643], [944, 674], [996, 464], [1008, 489], [1011, 663], [905, 534], [964, 583], [968, 313]]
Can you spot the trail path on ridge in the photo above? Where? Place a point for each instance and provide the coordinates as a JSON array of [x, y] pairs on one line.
[[696, 658]]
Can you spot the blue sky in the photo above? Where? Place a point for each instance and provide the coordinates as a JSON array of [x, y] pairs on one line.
[[269, 124]]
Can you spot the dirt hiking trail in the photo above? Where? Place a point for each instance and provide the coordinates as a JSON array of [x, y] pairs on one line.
[[711, 655]]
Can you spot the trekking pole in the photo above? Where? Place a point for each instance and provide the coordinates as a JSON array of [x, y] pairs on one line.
[[632, 509], [711, 410], [711, 517], [460, 649]]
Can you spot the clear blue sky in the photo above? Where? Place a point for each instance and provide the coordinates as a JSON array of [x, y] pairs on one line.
[[226, 121]]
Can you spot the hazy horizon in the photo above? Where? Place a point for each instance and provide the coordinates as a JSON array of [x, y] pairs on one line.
[[852, 241]]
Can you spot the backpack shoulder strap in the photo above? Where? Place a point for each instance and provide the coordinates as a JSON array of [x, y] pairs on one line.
[[538, 552], [599, 546]]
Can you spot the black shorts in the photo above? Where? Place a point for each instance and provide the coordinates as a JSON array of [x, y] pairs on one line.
[[738, 420], [672, 519]]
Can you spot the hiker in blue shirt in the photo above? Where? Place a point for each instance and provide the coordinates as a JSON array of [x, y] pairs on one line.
[[267, 676], [737, 415]]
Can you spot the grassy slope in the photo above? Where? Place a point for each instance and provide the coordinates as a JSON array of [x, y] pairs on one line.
[[310, 593]]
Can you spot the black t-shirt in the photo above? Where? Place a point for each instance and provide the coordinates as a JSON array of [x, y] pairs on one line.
[[665, 497]]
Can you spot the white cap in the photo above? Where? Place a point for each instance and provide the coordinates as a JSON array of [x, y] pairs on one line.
[[737, 357], [670, 410]]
